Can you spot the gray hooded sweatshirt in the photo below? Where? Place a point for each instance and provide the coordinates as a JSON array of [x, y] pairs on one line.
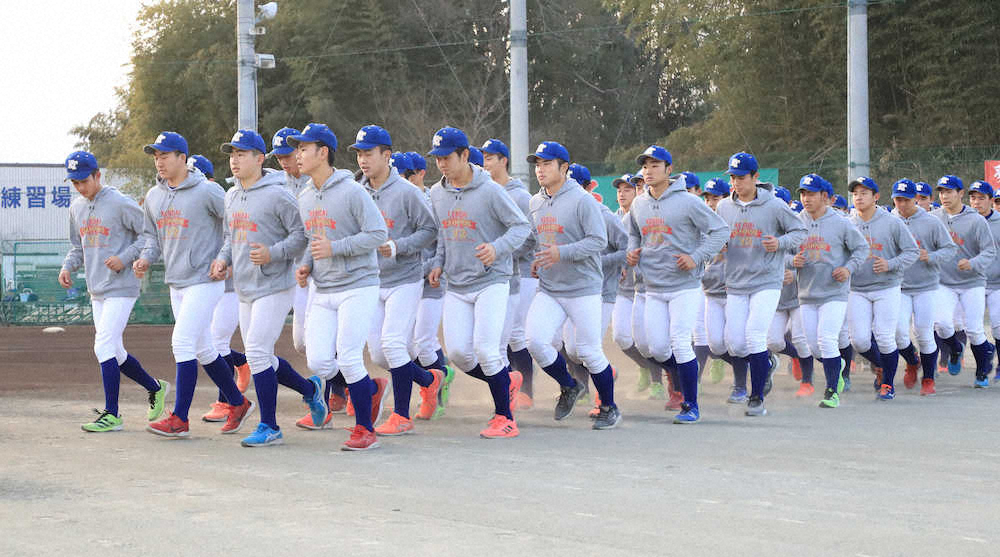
[[342, 212], [993, 272], [931, 235], [184, 225], [749, 267], [295, 186], [889, 238], [970, 232], [409, 224], [265, 214], [427, 256], [831, 241], [571, 219], [789, 299], [524, 255], [626, 279], [481, 212], [110, 224], [613, 256], [676, 223]]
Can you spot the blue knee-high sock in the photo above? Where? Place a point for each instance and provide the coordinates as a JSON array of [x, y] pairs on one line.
[[890, 361], [789, 349], [740, 366], [111, 376], [132, 369], [500, 389], [687, 373], [558, 371], [222, 375], [290, 378], [909, 355], [701, 353], [421, 376], [187, 378], [807, 369], [229, 360], [929, 364], [339, 385], [872, 355], [604, 383], [266, 385], [983, 353], [760, 363], [961, 337], [402, 387], [438, 363], [847, 354], [477, 372], [831, 369], [520, 360], [361, 397], [236, 359], [996, 346], [327, 390]]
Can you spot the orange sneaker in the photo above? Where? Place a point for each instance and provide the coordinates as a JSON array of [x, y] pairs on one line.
[[524, 402], [676, 398], [361, 439], [349, 408], [377, 399], [516, 380], [395, 425], [307, 422], [910, 377], [218, 413], [597, 407], [171, 426], [428, 398], [805, 389], [499, 427], [238, 415], [927, 387], [243, 377], [338, 404], [797, 370]]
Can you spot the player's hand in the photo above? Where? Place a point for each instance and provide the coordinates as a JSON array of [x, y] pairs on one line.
[[684, 262], [65, 278], [632, 257], [486, 254], [302, 276], [880, 265], [841, 274], [799, 260], [546, 258], [139, 267], [964, 265], [386, 249], [260, 254], [770, 243], [320, 247], [924, 256], [434, 277], [114, 263], [218, 270], [789, 277]]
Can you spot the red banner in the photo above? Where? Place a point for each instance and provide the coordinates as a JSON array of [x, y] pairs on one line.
[[992, 173]]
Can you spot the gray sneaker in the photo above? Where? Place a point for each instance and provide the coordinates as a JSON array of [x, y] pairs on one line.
[[608, 418], [772, 361], [567, 399], [756, 407], [738, 395]]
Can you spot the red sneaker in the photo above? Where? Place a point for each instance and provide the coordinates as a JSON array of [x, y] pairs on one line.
[[676, 398], [516, 379], [238, 415], [524, 402], [218, 413], [395, 425], [910, 377], [500, 427], [805, 389], [927, 387], [377, 399], [338, 404], [171, 426], [797, 370], [596, 409], [307, 422], [243, 377], [429, 396], [361, 439], [349, 409]]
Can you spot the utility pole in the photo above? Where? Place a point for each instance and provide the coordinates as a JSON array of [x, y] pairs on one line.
[[519, 90], [247, 60], [858, 152]]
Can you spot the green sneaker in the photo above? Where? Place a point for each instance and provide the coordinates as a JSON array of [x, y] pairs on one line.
[[157, 400], [718, 371], [830, 399], [643, 380], [840, 377], [444, 393], [106, 421], [657, 392]]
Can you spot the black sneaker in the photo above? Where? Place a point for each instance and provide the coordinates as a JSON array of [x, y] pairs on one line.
[[608, 418], [567, 399], [772, 365], [756, 407]]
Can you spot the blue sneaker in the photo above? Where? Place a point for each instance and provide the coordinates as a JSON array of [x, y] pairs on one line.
[[689, 414], [317, 404], [886, 392], [263, 436], [955, 363], [738, 395], [982, 381]]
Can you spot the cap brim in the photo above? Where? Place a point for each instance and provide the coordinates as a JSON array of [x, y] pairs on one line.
[[228, 147], [441, 151], [811, 188], [534, 157], [896, 194], [852, 185], [294, 140], [495, 152], [641, 159], [738, 172], [77, 175], [157, 147], [362, 146], [716, 193], [282, 151]]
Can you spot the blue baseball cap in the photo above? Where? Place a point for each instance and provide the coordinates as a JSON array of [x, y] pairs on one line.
[[996, 193], [202, 164], [371, 136], [904, 188], [623, 179], [717, 186], [923, 188], [796, 206], [279, 143], [401, 162], [580, 174], [812, 182], [982, 187], [475, 156], [496, 147], [167, 142], [636, 177], [863, 181], [935, 204], [549, 150], [655, 152], [950, 182], [783, 194], [80, 164], [742, 164], [691, 179], [314, 133], [246, 140], [417, 161], [446, 140], [839, 201]]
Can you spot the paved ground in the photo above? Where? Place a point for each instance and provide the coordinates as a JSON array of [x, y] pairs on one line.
[[910, 477]]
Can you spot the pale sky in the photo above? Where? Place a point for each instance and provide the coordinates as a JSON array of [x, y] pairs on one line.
[[61, 61]]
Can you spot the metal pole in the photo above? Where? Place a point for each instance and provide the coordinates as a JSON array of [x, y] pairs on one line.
[[519, 90], [246, 66], [858, 161]]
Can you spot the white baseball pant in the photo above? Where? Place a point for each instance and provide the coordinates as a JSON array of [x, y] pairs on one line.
[[715, 324], [639, 324], [545, 320], [392, 324], [821, 324], [193, 307], [873, 312], [923, 308], [668, 322], [518, 339], [748, 317], [110, 318], [789, 320], [473, 325], [425, 330], [967, 305], [510, 316], [993, 305], [299, 308], [700, 329], [569, 331], [225, 319], [621, 322], [261, 323], [336, 326]]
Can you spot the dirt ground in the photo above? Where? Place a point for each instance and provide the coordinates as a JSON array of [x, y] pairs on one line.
[[914, 476]]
